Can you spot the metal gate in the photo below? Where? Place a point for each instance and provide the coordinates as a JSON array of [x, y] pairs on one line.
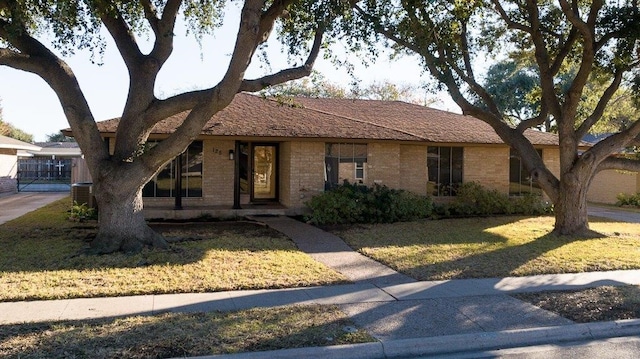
[[44, 175]]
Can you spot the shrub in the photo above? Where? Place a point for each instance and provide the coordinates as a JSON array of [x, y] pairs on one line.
[[474, 200], [353, 203], [628, 200], [82, 212]]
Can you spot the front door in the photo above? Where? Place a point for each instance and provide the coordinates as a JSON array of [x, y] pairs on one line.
[[264, 185]]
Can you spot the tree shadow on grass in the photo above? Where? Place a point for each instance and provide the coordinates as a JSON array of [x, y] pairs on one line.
[[179, 334], [501, 262], [62, 248]]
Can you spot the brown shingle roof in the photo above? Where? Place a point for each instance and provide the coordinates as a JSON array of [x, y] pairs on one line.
[[254, 116]]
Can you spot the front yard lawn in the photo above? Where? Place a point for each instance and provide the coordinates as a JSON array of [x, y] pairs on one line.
[[41, 258], [494, 247], [181, 334]]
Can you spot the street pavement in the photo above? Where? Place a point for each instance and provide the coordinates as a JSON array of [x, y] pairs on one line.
[[408, 318]]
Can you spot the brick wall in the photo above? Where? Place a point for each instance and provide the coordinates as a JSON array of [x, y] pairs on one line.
[[383, 164], [413, 168], [606, 185], [551, 159], [217, 172], [8, 185], [305, 172], [285, 173], [488, 166]]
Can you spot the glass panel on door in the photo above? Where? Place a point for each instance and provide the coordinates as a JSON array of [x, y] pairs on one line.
[[264, 172]]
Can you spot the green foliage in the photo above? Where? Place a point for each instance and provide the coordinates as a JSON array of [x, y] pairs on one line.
[[628, 200], [474, 200], [82, 213], [353, 203], [59, 137], [7, 129], [317, 86]]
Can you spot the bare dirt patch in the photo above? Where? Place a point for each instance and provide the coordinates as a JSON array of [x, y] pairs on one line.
[[589, 305]]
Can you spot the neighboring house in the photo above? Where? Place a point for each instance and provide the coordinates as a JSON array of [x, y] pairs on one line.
[[262, 153], [9, 148], [53, 168], [609, 183]]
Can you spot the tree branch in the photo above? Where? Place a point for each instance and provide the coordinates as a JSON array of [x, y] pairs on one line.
[[565, 50], [534, 121], [543, 61], [618, 163], [507, 19], [597, 113], [614, 143], [121, 34], [36, 58], [20, 61], [574, 94], [163, 46], [151, 14], [288, 74], [269, 17]]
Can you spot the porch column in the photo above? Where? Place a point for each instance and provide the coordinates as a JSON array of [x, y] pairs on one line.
[[236, 176], [178, 186]]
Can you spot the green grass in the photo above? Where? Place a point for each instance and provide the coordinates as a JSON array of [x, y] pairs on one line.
[[494, 247], [181, 335], [42, 258]]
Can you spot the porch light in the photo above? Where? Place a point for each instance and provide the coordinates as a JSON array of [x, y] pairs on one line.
[[231, 155]]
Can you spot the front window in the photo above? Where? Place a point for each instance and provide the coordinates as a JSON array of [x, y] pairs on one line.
[[444, 168], [163, 184], [344, 161], [520, 181]]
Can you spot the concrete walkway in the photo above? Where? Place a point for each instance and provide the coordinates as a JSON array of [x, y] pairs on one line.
[[332, 251], [16, 205]]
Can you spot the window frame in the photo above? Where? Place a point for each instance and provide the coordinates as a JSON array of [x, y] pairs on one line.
[[454, 159], [337, 153], [151, 190]]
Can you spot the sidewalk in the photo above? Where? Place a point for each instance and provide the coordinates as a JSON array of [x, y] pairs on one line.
[[407, 317]]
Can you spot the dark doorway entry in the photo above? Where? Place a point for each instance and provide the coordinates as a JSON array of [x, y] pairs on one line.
[[258, 171]]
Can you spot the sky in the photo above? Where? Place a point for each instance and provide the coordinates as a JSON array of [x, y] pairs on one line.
[[29, 104]]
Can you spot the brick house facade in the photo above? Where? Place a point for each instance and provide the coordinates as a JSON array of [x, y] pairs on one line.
[[260, 152]]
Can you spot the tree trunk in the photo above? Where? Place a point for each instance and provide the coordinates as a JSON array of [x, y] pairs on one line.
[[571, 207], [121, 222]]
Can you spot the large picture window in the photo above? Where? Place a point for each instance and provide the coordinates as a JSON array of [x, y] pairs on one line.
[[444, 168], [344, 161], [163, 184], [520, 181]]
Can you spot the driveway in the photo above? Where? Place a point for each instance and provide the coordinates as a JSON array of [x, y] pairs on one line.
[[15, 205]]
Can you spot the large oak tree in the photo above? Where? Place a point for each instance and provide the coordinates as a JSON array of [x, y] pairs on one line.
[[599, 38], [119, 177]]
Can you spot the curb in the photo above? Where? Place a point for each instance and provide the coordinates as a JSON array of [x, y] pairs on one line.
[[452, 344]]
